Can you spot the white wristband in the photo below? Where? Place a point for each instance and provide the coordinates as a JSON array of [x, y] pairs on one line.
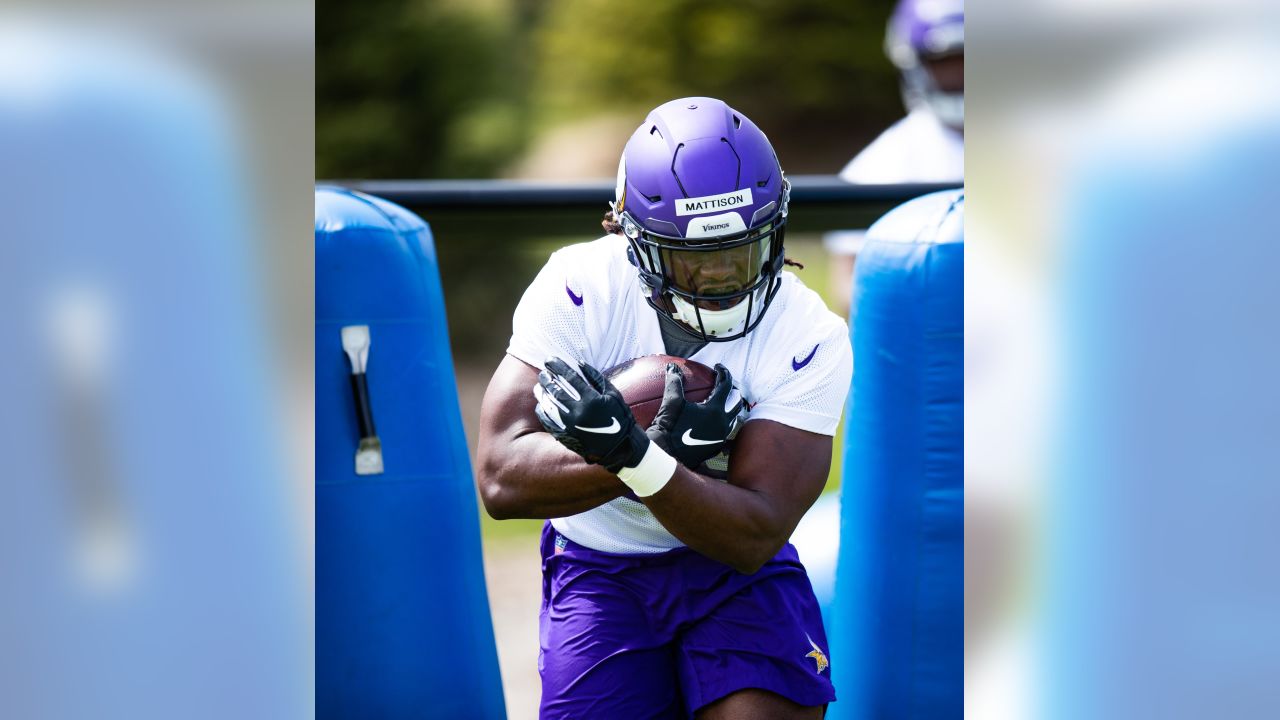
[[653, 473]]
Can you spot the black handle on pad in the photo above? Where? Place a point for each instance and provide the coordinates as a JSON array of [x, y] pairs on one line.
[[364, 409]]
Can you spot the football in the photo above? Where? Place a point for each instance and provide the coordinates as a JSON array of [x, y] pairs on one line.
[[642, 380]]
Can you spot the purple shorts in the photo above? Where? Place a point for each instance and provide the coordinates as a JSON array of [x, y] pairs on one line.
[[660, 636]]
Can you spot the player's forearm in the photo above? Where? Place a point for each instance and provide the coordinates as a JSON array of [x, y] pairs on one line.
[[733, 525], [533, 476]]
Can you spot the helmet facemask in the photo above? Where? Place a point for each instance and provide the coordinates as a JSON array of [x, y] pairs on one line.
[[717, 285], [920, 87]]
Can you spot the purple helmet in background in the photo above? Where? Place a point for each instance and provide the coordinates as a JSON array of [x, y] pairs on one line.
[[920, 31], [703, 201]]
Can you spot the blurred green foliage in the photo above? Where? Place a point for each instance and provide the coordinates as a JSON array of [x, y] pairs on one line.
[[407, 88], [445, 88]]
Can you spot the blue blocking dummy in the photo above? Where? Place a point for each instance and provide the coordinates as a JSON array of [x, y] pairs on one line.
[[402, 617], [897, 636], [150, 546]]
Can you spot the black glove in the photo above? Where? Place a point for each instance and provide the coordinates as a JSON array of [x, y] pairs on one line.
[[587, 414], [693, 433]]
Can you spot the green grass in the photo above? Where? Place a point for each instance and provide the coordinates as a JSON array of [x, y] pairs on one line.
[[491, 529]]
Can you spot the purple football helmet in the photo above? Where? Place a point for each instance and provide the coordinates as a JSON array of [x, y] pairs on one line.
[[922, 30], [703, 201]]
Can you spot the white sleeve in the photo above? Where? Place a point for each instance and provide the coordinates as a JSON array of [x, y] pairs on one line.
[[844, 242], [812, 396], [548, 321], [875, 164]]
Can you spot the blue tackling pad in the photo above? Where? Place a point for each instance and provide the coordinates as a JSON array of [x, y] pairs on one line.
[[897, 635], [402, 616]]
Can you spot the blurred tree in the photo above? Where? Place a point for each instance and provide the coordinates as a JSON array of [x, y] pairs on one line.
[[416, 88], [811, 73], [460, 88]]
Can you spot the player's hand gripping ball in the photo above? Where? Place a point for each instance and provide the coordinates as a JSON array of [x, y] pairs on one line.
[[600, 417], [682, 404], [694, 432], [587, 414]]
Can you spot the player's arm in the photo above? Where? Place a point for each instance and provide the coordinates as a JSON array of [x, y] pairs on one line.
[[522, 471], [776, 473]]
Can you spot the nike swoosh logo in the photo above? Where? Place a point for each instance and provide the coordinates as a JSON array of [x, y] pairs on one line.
[[577, 299], [612, 428], [797, 364], [688, 439]]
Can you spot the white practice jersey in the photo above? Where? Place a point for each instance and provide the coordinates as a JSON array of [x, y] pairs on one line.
[[919, 148], [587, 305]]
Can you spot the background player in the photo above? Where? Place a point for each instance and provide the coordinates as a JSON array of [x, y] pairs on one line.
[[925, 40], [667, 593]]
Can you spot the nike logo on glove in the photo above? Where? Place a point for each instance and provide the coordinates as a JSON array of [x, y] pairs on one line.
[[688, 439], [610, 429]]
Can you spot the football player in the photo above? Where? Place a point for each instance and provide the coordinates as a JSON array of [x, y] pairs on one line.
[[925, 40], [668, 593]]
